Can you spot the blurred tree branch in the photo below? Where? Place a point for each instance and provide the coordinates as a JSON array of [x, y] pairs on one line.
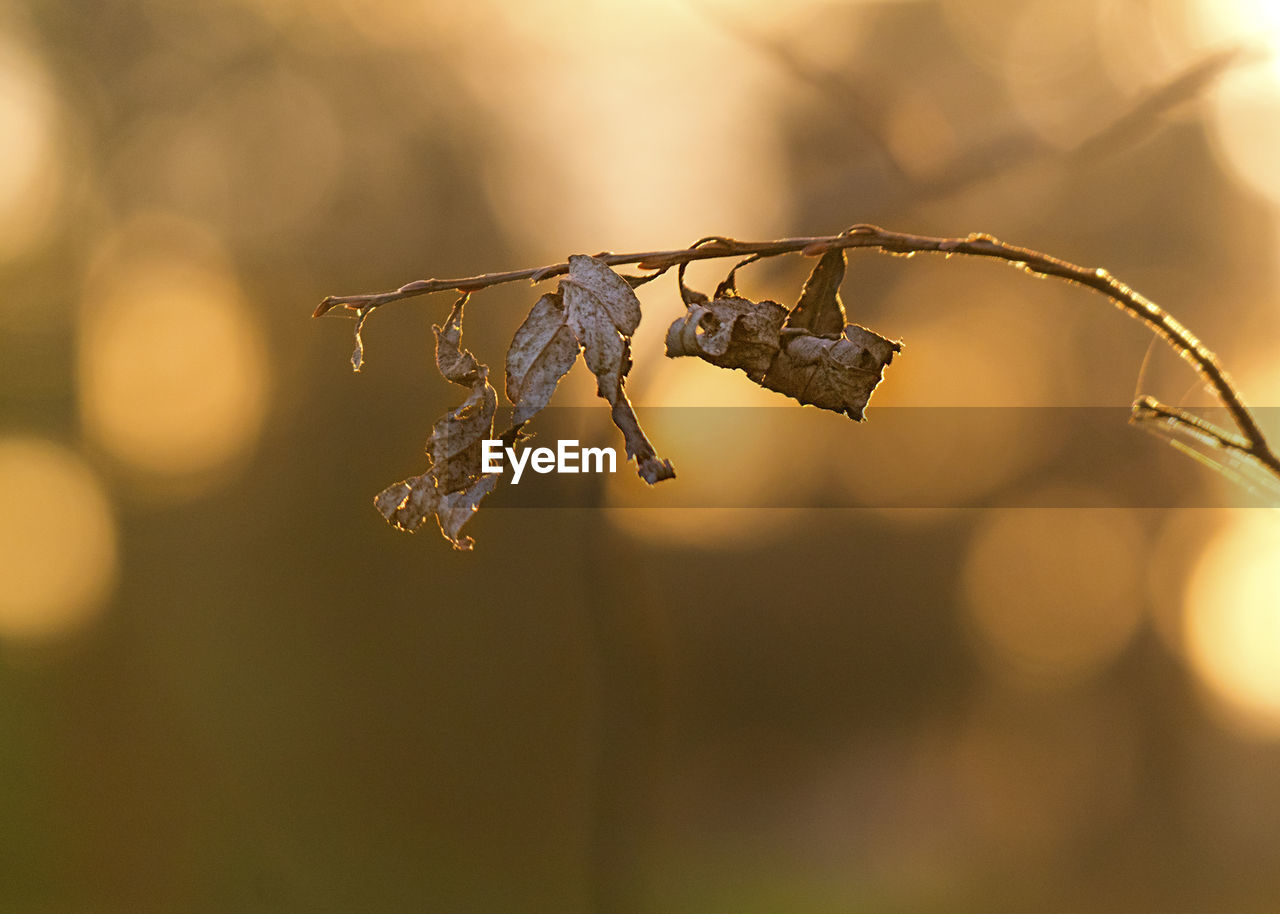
[[868, 111]]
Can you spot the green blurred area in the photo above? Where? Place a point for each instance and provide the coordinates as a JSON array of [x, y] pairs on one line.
[[284, 705]]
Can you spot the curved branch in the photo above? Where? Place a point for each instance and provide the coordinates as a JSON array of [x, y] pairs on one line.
[[1178, 337]]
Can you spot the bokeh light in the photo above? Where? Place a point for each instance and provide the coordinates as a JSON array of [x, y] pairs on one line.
[[1231, 620], [1053, 595], [57, 540], [718, 423], [776, 706], [634, 153], [31, 166], [1244, 107], [920, 136], [955, 335], [1246, 122], [258, 157], [173, 370], [1052, 44]]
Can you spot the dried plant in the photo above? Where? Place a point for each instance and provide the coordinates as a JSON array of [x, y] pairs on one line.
[[809, 352]]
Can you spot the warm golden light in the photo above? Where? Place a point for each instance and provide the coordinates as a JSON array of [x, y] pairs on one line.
[[1245, 104], [1053, 46], [30, 166], [605, 145], [1222, 23], [1246, 129], [57, 540], [1231, 620], [920, 136], [1053, 595], [173, 369], [715, 426], [953, 332], [260, 158]]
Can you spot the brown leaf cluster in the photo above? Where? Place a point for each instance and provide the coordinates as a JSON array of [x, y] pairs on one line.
[[810, 353]]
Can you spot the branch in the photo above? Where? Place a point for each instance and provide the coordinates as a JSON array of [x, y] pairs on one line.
[[1252, 443]]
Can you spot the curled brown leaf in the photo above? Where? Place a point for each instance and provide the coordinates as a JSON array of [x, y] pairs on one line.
[[453, 485], [838, 375], [810, 353], [603, 312], [730, 333]]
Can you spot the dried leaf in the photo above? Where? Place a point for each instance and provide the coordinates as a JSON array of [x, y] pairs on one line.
[[455, 509], [455, 363], [820, 310], [407, 504], [542, 352], [603, 312], [593, 284], [801, 353], [358, 314], [731, 333], [453, 485], [357, 357], [457, 436], [838, 375], [600, 336], [649, 465]]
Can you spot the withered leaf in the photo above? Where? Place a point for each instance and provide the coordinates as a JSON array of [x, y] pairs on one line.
[[594, 326], [455, 363], [795, 353], [455, 509], [731, 333], [839, 375], [591, 285], [542, 352], [358, 314], [820, 310], [357, 356], [649, 465], [407, 504], [457, 438], [453, 485], [603, 312]]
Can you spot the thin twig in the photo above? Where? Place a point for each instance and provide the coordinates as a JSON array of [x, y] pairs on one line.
[[1180, 339]]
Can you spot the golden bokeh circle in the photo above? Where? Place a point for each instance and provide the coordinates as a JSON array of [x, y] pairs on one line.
[[58, 540], [1231, 621], [1053, 595]]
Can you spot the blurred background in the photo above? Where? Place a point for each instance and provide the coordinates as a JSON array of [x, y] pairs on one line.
[[765, 686]]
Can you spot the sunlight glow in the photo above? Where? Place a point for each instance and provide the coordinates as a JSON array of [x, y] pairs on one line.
[[57, 540], [951, 358], [31, 165], [1053, 595], [1231, 621], [604, 145], [173, 371], [716, 428], [1245, 105], [258, 158]]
